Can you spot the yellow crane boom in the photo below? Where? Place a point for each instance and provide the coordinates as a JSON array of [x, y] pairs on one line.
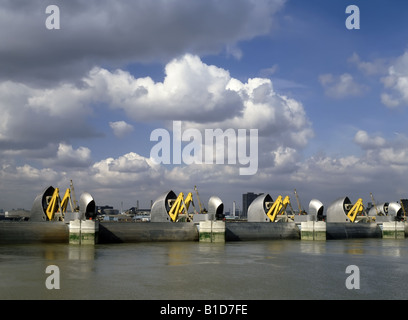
[[301, 211], [76, 207], [374, 204], [202, 209]]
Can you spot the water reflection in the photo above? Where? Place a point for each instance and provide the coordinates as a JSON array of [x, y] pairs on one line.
[[176, 256], [394, 248], [375, 247], [354, 248], [313, 247], [77, 252]]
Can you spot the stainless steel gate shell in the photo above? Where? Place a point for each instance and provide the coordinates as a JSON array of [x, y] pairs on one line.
[[40, 205], [394, 209], [337, 211], [316, 208], [161, 207], [87, 206], [258, 209], [215, 208]]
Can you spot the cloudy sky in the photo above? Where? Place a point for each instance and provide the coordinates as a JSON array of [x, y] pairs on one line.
[[81, 102]]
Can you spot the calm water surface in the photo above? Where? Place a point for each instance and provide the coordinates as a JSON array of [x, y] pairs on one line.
[[287, 269]]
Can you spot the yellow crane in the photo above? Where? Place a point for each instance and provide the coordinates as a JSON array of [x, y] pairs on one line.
[[301, 211], [374, 204], [202, 209], [76, 207]]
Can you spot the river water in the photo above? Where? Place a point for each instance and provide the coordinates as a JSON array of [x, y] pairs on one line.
[[278, 269]]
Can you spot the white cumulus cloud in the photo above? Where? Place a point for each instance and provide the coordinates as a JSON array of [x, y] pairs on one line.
[[69, 157], [366, 142], [121, 128], [342, 86], [378, 66], [396, 83]]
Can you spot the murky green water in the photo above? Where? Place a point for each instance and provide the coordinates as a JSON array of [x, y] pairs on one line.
[[287, 269]]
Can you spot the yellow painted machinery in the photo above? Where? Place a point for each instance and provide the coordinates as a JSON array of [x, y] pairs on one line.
[[355, 210], [170, 207], [343, 210], [48, 206], [56, 207], [278, 207], [264, 209], [180, 206]]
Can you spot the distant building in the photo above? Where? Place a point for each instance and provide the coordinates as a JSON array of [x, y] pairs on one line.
[[247, 199], [17, 214], [137, 210], [230, 213]]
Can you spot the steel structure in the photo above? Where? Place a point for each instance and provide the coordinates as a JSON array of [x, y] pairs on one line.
[[316, 208], [161, 207], [258, 209], [215, 208]]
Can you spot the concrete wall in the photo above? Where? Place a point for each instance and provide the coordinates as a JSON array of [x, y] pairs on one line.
[[212, 231], [313, 230], [393, 230]]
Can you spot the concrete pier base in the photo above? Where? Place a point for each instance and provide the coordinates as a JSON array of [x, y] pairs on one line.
[[75, 232], [393, 230], [89, 232], [313, 230], [83, 232], [212, 231]]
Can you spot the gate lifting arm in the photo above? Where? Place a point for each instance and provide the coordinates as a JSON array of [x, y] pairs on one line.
[[56, 205], [278, 207], [356, 210], [180, 205]]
